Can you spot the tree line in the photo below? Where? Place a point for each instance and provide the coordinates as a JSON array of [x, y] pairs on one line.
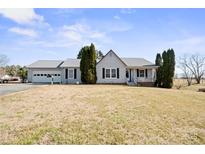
[[12, 70]]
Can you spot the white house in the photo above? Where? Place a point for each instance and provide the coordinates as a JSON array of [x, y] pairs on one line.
[[111, 69]]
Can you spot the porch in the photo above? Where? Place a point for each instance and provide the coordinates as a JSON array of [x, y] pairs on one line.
[[141, 76]]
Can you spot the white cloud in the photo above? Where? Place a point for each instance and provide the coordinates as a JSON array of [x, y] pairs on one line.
[[72, 35], [127, 11], [82, 33], [22, 16], [23, 31], [116, 17]]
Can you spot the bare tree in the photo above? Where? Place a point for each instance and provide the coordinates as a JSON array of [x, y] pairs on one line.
[[195, 65], [187, 74], [3, 60]]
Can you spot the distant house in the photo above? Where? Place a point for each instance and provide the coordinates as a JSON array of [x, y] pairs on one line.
[[111, 69]]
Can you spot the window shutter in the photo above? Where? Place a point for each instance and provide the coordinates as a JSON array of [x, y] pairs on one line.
[[103, 73], [75, 73], [127, 74], [118, 73], [137, 72], [146, 73], [66, 73]]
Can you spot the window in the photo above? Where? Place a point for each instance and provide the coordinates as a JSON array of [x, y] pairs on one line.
[[55, 74], [70, 74], [141, 73], [107, 73], [59, 75], [114, 75], [41, 74], [38, 74], [45, 74], [34, 75], [110, 73]]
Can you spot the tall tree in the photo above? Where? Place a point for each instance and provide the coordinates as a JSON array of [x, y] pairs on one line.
[[168, 68], [171, 67], [79, 56], [88, 64], [158, 62], [99, 54], [92, 64], [83, 63], [196, 65], [164, 75], [187, 74]]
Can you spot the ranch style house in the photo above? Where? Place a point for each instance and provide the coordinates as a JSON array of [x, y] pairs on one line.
[[111, 69]]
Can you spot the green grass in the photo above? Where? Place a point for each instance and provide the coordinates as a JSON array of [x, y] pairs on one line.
[[102, 114]]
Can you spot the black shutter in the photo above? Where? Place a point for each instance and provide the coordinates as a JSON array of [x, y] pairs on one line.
[[118, 73], [137, 72], [127, 74], [146, 73], [103, 73], [75, 73], [66, 73]]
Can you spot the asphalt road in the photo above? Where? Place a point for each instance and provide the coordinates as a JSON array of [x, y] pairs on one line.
[[10, 88]]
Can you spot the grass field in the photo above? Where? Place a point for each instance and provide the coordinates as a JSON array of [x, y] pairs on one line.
[[102, 114], [182, 85]]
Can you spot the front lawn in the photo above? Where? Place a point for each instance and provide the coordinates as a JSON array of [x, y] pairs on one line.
[[102, 114]]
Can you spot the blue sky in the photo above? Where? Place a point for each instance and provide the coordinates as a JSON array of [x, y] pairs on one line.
[[28, 35]]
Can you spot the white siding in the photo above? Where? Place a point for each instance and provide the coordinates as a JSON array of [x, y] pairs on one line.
[[111, 61], [78, 77], [29, 75]]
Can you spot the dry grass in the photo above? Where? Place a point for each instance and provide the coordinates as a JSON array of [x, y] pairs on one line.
[[102, 114], [182, 85]]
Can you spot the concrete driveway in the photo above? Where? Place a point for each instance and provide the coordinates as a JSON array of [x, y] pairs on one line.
[[10, 88]]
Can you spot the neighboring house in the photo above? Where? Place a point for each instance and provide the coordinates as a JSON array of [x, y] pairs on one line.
[[111, 69]]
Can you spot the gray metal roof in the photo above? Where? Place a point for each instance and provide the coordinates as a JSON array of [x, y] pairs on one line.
[[71, 63], [45, 64], [132, 62]]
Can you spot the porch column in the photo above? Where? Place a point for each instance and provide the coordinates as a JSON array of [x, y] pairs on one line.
[[134, 75], [153, 72]]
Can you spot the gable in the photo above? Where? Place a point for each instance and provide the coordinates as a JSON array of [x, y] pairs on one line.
[[111, 59]]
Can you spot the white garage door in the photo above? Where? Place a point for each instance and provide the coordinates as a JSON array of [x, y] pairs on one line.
[[42, 76]]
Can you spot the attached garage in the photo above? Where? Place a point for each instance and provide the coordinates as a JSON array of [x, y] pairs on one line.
[[45, 76], [43, 71]]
